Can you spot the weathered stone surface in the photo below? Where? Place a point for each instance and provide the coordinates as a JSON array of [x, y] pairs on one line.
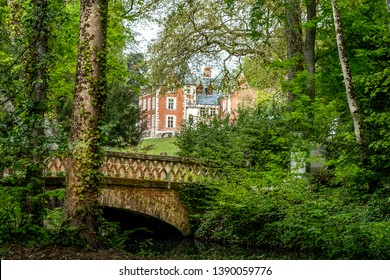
[[158, 199], [163, 204]]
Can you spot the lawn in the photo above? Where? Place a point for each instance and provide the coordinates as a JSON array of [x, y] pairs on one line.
[[156, 146]]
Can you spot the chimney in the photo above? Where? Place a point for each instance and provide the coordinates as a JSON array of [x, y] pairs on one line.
[[207, 72], [199, 89]]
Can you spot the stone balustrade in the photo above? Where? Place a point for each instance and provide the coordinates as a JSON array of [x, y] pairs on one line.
[[141, 166]]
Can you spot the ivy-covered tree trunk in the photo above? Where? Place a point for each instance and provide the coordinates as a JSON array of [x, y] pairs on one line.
[[293, 41], [14, 8], [351, 96], [81, 196]]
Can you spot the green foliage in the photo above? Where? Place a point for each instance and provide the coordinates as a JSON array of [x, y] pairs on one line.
[[256, 140], [366, 29], [335, 224], [121, 115], [126, 74], [10, 213], [16, 224], [31, 128], [326, 214], [197, 198], [52, 221], [112, 236], [255, 199], [327, 223]]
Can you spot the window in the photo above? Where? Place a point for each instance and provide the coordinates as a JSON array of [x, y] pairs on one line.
[[153, 122], [212, 112], [149, 104], [203, 111], [171, 103], [170, 121], [153, 103], [144, 105]]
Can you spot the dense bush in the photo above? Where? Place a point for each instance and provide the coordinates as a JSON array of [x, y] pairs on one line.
[[326, 214], [327, 223], [256, 140], [17, 225]]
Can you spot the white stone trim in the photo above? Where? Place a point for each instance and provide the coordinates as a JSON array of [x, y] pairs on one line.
[[157, 113]]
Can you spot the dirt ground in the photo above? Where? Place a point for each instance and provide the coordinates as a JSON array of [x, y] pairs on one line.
[[16, 252]]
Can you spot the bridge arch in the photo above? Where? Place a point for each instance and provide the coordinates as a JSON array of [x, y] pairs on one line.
[[161, 203], [131, 220]]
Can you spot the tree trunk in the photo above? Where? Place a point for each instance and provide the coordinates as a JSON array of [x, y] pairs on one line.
[[33, 36], [350, 90], [293, 41], [38, 76], [37, 82], [310, 39], [83, 177], [14, 26]]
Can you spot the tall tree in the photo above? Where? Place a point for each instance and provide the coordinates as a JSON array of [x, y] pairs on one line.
[[310, 39], [293, 42], [38, 65], [210, 32], [24, 83], [37, 82], [350, 90], [83, 178]]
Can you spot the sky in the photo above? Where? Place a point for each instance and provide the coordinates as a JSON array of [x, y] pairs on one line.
[[145, 34]]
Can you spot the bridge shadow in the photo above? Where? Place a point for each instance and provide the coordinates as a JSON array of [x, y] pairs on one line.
[[149, 227]]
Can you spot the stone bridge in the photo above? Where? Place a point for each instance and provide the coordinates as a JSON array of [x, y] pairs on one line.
[[142, 183]]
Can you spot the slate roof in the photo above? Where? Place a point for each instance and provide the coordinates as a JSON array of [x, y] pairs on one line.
[[203, 99]]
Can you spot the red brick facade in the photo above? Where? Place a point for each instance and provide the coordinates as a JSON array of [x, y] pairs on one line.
[[163, 114]]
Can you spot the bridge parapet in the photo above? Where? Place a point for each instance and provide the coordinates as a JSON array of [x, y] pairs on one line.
[[142, 166], [150, 167]]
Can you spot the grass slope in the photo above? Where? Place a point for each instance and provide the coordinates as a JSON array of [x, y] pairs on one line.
[[156, 146]]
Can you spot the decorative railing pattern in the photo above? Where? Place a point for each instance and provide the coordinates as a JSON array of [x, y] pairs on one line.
[[141, 166]]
